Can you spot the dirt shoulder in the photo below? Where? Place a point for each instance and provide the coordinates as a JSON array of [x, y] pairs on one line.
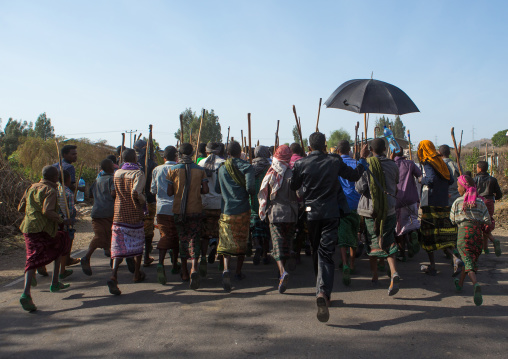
[[12, 249]]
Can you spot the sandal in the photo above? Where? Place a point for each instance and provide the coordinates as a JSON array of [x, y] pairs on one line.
[[458, 287], [323, 314], [65, 274], [27, 303], [429, 270], [394, 285], [141, 277], [478, 299], [283, 282], [161, 274], [113, 287], [85, 266], [148, 261], [194, 281], [58, 287]]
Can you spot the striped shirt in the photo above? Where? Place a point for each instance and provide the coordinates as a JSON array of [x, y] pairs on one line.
[[479, 213]]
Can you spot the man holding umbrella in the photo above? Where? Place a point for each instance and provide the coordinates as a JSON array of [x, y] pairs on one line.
[[318, 175]]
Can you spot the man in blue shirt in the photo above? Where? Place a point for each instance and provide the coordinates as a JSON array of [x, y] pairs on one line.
[[69, 156], [350, 220], [165, 218]]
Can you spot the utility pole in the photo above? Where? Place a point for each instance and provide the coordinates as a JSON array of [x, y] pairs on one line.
[[130, 135]]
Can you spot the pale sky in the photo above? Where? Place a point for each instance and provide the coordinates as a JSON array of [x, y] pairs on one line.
[[99, 68]]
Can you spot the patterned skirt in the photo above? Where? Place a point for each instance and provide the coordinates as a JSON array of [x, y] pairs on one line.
[[436, 230], [211, 223], [189, 235], [42, 249], [102, 230], [470, 244], [233, 234], [348, 230], [128, 240], [260, 231], [407, 219], [384, 245], [283, 235]]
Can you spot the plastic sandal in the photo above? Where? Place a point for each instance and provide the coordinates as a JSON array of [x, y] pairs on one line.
[[161, 274], [58, 287], [478, 299], [27, 303]]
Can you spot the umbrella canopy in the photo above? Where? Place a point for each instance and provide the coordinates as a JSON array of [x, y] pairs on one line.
[[371, 96]]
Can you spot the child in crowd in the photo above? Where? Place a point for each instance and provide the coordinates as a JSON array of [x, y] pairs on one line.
[[469, 213]]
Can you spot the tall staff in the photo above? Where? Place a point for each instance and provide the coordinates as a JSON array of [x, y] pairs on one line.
[[121, 148], [148, 153], [181, 128], [199, 134], [79, 176], [276, 137], [457, 153], [250, 139], [227, 141], [409, 145], [64, 194], [299, 128], [318, 113], [243, 141], [356, 139]]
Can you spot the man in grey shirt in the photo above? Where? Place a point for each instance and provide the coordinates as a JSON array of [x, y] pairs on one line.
[[453, 192]]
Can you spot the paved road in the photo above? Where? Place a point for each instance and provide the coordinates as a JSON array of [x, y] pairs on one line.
[[425, 320]]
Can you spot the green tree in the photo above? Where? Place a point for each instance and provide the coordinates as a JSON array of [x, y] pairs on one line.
[[338, 135], [43, 128], [210, 131], [499, 139], [397, 126], [296, 137], [14, 130]]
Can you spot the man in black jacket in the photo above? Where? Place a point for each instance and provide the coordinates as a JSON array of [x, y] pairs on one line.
[[488, 187], [318, 176]]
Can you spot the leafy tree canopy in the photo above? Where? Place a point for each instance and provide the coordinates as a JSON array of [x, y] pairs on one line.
[[13, 131], [43, 128], [338, 135], [499, 139], [210, 131]]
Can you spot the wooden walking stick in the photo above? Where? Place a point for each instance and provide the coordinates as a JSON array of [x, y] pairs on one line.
[[365, 126], [460, 143], [181, 129], [298, 127], [79, 176], [243, 142], [227, 141], [258, 143], [121, 148], [362, 139], [250, 139], [318, 113], [356, 136], [148, 151], [199, 134], [409, 145], [276, 137], [139, 137], [64, 194], [457, 153]]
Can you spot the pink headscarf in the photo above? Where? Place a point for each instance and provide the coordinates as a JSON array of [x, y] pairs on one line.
[[470, 195], [274, 177]]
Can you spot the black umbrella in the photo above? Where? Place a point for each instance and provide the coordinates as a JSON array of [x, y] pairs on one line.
[[371, 96]]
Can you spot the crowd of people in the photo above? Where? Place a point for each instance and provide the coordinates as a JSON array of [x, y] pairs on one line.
[[268, 203]]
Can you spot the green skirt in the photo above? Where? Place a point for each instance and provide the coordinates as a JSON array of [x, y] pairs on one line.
[[385, 246], [436, 230], [348, 230], [470, 245]]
